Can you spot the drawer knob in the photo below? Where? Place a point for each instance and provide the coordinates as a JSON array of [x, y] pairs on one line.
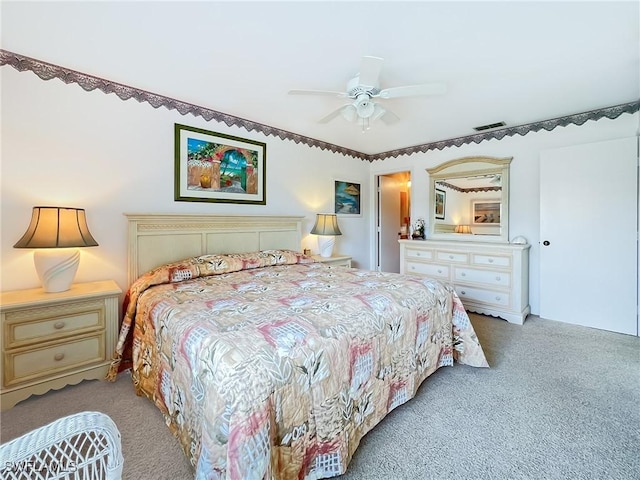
[[451, 257], [418, 254], [413, 267], [462, 292], [498, 299], [491, 260], [498, 279], [58, 356], [58, 325], [439, 271], [463, 274]]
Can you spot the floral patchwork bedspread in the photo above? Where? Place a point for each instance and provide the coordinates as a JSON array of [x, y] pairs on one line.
[[268, 366]]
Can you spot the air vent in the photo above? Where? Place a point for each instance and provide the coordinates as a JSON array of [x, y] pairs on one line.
[[489, 126]]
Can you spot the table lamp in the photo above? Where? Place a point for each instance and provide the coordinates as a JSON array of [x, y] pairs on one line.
[[326, 228], [55, 233], [463, 229]]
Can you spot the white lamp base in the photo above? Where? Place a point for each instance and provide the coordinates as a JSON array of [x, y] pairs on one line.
[[325, 245], [56, 268]]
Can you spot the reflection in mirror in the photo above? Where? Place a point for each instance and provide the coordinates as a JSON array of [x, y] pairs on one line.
[[470, 199]]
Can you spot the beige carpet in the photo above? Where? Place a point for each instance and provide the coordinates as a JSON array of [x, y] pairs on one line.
[[560, 402]]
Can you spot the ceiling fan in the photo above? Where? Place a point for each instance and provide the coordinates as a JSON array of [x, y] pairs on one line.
[[364, 88]]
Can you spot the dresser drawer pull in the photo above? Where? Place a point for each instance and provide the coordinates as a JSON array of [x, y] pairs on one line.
[[413, 267], [497, 299], [451, 257], [462, 292], [58, 356], [439, 270], [58, 325], [497, 279], [418, 254], [491, 260], [463, 274]]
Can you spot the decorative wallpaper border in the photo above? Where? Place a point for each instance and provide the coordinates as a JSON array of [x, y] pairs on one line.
[[48, 71]]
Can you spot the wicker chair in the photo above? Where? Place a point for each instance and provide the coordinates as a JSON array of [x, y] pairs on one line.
[[83, 446]]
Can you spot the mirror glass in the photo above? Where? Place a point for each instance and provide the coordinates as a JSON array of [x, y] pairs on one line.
[[470, 200]]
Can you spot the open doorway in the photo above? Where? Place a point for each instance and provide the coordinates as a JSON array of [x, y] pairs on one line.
[[393, 209]]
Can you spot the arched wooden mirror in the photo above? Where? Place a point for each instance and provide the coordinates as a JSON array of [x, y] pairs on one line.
[[470, 200]]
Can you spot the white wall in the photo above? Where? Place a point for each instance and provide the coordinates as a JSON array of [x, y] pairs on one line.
[[524, 218], [64, 146]]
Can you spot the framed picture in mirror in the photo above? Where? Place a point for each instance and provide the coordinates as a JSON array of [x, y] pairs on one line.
[[486, 212], [440, 201]]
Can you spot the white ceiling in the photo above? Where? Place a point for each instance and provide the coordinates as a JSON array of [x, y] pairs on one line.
[[517, 62]]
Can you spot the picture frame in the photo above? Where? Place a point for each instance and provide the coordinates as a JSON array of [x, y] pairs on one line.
[[486, 212], [347, 198], [440, 204], [214, 167]]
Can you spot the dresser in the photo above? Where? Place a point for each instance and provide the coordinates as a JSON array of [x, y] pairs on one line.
[[50, 340], [489, 278]]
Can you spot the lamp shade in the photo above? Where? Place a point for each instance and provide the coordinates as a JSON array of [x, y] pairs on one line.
[[57, 230], [463, 229], [326, 224], [57, 227], [327, 228]]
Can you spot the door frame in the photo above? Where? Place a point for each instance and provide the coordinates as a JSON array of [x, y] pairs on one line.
[[373, 184]]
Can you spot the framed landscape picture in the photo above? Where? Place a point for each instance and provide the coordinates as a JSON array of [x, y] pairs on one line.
[[346, 197], [213, 167]]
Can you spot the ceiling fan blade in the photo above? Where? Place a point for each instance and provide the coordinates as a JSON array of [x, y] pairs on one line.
[[317, 92], [389, 118], [343, 110], [413, 90], [370, 71]]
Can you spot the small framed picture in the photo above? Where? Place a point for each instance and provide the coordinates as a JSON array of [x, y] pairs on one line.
[[440, 202], [346, 196], [486, 212]]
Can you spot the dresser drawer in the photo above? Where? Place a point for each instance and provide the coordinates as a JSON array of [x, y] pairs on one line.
[[454, 257], [23, 365], [425, 254], [485, 296], [491, 260], [487, 277], [49, 323], [429, 269]]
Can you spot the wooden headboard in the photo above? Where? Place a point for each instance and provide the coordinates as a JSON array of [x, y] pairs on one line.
[[156, 239]]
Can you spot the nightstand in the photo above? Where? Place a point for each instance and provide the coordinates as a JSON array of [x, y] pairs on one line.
[[50, 340], [336, 260]]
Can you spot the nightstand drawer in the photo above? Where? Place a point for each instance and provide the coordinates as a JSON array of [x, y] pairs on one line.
[[335, 261], [23, 365], [45, 324]]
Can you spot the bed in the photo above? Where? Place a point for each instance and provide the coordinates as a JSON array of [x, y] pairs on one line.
[[265, 363]]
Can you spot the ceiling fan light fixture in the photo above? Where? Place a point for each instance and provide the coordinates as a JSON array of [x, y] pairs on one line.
[[378, 111], [349, 113], [364, 105]]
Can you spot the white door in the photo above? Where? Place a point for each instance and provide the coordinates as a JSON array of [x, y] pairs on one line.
[[389, 223], [588, 235]]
